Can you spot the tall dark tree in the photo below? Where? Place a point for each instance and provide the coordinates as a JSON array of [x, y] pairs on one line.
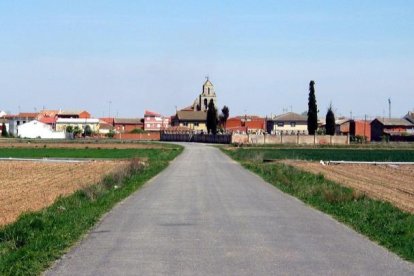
[[87, 131], [330, 122], [312, 110], [4, 130], [212, 118], [225, 112]]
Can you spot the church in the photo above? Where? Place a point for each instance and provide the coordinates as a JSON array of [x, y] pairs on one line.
[[194, 116]]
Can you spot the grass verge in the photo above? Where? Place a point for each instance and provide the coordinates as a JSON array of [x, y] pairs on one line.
[[35, 240], [380, 221]]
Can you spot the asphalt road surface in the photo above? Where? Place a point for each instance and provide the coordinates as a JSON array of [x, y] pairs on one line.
[[206, 215]]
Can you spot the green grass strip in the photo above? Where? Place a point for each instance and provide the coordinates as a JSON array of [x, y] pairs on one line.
[[36, 240], [114, 153], [356, 154], [380, 221]]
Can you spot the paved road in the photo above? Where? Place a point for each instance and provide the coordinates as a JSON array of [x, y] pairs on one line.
[[206, 215]]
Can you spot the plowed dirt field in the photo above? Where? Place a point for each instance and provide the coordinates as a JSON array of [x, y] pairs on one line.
[[30, 186], [394, 184]]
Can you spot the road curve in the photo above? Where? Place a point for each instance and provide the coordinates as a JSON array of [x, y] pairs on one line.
[[206, 215]]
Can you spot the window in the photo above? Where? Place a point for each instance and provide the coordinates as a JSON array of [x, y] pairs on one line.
[[148, 125], [196, 124], [185, 124], [280, 124], [293, 124]]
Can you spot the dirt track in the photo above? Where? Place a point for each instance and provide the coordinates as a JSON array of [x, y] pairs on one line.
[[30, 186], [390, 183]]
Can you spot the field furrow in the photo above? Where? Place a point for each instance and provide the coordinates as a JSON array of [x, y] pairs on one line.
[[29, 186]]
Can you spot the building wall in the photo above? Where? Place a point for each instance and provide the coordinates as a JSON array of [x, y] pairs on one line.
[[62, 126], [124, 128], [290, 139], [200, 126], [156, 123], [36, 129], [362, 128], [287, 128], [377, 130], [15, 122]]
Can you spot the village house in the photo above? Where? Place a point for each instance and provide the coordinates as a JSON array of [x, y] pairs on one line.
[[105, 128], [193, 120], [385, 128], [355, 128], [19, 119], [410, 117], [246, 124], [288, 123], [126, 125], [37, 129], [155, 122], [81, 123], [80, 114]]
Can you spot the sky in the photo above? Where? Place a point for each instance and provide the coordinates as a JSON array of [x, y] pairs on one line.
[[120, 58]]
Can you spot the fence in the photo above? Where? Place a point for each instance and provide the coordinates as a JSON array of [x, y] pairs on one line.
[[290, 139]]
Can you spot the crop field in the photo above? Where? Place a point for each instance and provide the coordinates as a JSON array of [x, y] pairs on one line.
[[316, 154], [89, 152], [394, 184], [30, 186], [80, 145]]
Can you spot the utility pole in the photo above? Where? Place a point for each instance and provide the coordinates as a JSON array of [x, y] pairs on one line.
[[389, 108], [109, 110], [365, 125]]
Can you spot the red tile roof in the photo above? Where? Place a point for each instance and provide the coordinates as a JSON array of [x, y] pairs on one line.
[[151, 113], [27, 115], [48, 120]]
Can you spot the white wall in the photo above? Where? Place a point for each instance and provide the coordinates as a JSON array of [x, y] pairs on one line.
[[36, 129]]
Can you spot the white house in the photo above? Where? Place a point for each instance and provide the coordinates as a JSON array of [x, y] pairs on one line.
[[62, 123], [36, 129]]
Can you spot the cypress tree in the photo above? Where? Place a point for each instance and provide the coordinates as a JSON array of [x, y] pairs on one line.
[[4, 130], [312, 110], [330, 122], [211, 118]]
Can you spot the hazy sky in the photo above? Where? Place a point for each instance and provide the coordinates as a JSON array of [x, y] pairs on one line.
[[260, 55]]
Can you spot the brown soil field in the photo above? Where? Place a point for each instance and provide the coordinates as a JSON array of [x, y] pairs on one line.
[[74, 145], [394, 184], [30, 186]]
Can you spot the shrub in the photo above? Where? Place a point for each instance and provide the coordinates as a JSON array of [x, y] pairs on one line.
[[110, 134]]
